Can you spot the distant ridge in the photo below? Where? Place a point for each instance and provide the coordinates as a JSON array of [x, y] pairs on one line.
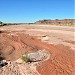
[[57, 21], [63, 22]]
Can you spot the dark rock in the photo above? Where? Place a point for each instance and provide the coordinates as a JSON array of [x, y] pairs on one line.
[[3, 63]]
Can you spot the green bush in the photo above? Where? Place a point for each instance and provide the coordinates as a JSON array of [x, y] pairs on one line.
[[26, 59]]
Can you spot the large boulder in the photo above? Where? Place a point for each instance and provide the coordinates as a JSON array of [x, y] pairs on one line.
[[40, 55]]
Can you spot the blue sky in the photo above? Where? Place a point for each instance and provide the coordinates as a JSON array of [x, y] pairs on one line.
[[33, 10]]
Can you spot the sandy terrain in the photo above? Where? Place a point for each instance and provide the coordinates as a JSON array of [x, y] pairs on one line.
[[58, 41]]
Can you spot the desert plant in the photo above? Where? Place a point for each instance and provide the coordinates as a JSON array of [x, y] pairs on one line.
[[26, 59]]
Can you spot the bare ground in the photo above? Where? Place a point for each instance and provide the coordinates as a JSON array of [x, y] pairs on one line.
[[23, 39]]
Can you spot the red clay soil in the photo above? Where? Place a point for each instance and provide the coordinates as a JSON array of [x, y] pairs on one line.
[[61, 62], [14, 44]]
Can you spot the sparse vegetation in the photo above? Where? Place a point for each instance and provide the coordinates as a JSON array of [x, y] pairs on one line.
[[5, 24], [26, 59]]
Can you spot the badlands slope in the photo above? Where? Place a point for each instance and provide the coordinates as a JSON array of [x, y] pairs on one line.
[[58, 41]]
